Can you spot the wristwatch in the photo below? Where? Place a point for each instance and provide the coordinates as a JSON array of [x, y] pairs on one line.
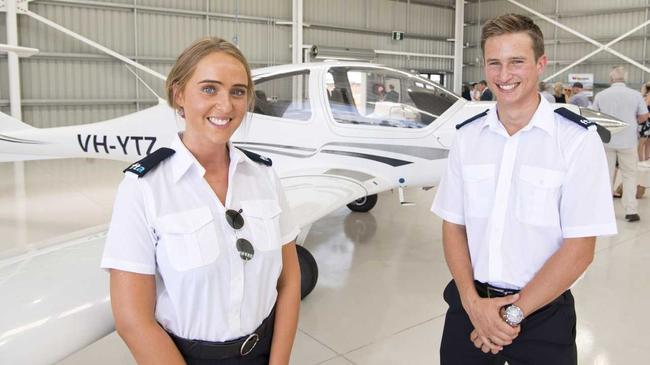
[[512, 314]]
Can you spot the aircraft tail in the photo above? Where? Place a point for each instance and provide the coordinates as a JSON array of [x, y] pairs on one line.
[[11, 124]]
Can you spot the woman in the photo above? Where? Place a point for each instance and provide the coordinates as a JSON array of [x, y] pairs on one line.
[[203, 265], [558, 90]]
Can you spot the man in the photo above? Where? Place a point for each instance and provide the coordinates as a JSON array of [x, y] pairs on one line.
[[628, 105], [580, 97], [392, 95], [543, 90], [525, 194], [486, 94]]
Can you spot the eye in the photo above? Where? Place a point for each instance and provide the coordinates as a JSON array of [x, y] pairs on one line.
[[239, 92], [208, 89]]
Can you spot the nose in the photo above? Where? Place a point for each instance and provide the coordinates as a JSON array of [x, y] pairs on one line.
[[223, 104]]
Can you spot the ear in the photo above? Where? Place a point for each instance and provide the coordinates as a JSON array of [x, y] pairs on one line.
[[179, 98], [541, 64]]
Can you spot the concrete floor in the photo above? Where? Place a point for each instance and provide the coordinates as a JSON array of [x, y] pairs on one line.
[[379, 296]]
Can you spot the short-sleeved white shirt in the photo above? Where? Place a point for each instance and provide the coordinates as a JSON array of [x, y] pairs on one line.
[[519, 196], [170, 224], [625, 104]]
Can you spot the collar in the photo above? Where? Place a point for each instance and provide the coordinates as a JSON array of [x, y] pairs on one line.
[[183, 160], [543, 118], [618, 84]]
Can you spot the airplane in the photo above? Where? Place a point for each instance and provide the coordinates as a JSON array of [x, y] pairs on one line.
[[334, 140]]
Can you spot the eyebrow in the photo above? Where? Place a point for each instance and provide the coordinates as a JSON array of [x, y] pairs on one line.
[[516, 58], [208, 81]]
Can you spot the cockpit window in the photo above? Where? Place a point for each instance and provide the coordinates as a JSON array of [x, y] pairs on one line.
[[284, 96], [384, 98]]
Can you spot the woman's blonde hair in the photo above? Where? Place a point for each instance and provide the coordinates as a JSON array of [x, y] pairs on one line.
[[186, 63], [645, 89]]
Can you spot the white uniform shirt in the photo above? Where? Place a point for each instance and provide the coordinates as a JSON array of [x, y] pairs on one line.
[[625, 104], [519, 196], [171, 224]]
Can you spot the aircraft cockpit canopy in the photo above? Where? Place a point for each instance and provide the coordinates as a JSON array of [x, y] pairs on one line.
[[379, 97]]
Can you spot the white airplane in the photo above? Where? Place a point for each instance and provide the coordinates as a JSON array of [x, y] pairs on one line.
[[335, 138]]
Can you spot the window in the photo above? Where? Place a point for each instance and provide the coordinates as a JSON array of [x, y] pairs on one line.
[[384, 98], [284, 96]]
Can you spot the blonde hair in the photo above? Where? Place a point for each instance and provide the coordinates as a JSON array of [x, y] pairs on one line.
[[514, 23], [186, 62]]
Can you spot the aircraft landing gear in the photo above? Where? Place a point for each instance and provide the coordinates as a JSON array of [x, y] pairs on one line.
[[363, 204], [308, 271]]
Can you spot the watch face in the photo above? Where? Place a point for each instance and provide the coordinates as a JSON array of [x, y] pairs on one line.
[[514, 314]]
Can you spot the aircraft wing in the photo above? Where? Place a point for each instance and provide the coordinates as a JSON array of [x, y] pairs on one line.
[[312, 197], [56, 300]]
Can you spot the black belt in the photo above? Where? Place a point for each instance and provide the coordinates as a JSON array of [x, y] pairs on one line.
[[240, 347], [488, 291]]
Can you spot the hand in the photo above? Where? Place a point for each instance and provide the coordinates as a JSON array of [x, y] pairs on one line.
[[490, 330]]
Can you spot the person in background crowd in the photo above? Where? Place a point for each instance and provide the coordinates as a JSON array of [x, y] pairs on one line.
[[475, 92], [627, 105], [466, 93], [486, 94], [558, 92], [580, 97], [543, 89]]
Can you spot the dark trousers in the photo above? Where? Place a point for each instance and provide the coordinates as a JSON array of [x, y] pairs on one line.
[[547, 336]]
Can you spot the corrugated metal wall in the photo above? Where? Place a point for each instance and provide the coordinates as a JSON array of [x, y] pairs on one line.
[[69, 83], [601, 20]]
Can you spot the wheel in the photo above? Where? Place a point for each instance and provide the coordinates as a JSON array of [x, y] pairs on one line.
[[363, 204], [308, 271]]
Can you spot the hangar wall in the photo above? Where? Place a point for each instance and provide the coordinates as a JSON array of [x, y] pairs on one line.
[[70, 83], [601, 20]]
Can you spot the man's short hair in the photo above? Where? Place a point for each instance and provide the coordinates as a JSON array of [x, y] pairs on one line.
[[514, 23], [617, 74], [577, 84], [483, 82]]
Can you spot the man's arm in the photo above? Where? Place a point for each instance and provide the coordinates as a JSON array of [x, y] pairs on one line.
[[558, 273], [493, 331]]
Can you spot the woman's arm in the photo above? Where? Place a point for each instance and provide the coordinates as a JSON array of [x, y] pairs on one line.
[[287, 307], [133, 299]]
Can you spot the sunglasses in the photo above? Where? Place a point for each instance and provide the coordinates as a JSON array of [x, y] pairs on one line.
[[244, 247]]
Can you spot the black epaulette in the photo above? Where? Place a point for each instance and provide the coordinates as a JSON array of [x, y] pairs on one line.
[[468, 121], [150, 162], [257, 158], [604, 133]]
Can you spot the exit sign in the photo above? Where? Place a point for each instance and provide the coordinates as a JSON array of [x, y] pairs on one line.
[[397, 36]]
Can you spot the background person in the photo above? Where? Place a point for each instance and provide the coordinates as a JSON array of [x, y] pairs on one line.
[[203, 267], [486, 94], [558, 92], [627, 105], [580, 97], [525, 193]]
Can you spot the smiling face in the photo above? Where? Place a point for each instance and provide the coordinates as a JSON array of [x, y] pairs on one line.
[[214, 100], [511, 69]]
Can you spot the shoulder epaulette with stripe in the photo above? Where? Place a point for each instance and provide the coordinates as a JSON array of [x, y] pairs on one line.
[[257, 158], [150, 162], [468, 121], [604, 133]]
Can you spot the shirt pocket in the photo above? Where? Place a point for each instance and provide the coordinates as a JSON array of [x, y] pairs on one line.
[[538, 196], [262, 217], [479, 185], [189, 238]]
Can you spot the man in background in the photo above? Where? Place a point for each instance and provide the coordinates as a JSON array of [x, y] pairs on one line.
[[580, 97], [627, 105]]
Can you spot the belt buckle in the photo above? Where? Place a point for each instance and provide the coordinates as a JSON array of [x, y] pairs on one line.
[[252, 337]]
